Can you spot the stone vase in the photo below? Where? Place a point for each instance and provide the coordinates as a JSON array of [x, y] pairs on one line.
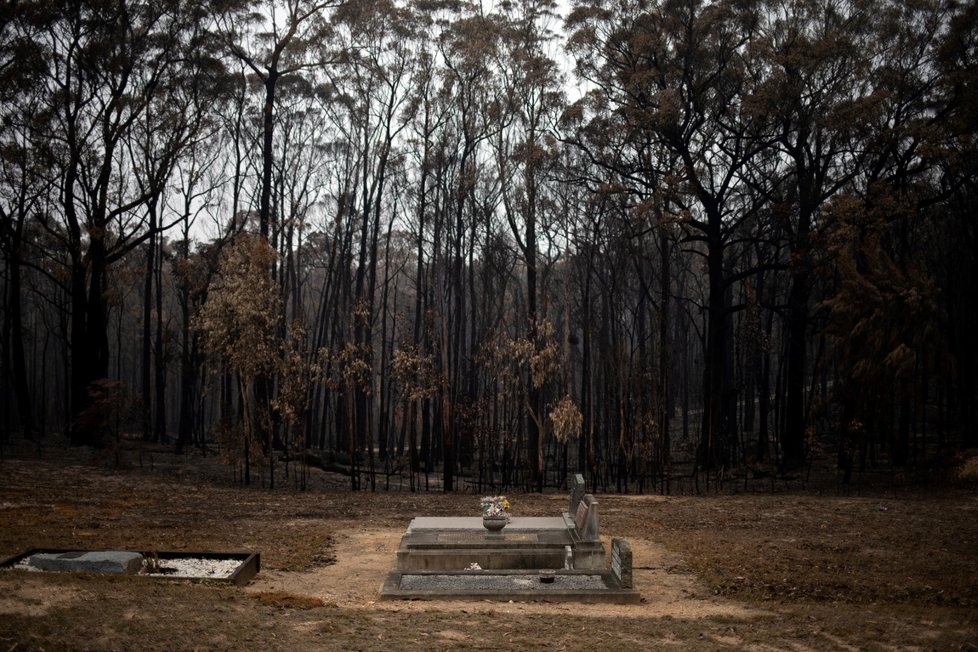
[[494, 524]]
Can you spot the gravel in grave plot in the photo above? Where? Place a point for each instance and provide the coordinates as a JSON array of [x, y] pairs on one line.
[[217, 569]]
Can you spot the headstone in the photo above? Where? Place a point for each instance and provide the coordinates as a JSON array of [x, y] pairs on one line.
[[621, 561], [577, 490], [586, 518], [580, 516], [98, 561]]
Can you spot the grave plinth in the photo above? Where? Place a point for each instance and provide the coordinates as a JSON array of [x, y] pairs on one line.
[[455, 543], [593, 586], [549, 558]]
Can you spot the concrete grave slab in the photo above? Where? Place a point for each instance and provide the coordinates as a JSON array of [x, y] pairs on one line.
[[451, 544], [97, 561], [508, 585], [516, 523]]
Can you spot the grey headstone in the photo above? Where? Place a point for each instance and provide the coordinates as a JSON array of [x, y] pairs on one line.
[[577, 490], [99, 561], [621, 561], [586, 518]]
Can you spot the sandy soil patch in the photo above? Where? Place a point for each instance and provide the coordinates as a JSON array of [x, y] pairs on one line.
[[365, 555]]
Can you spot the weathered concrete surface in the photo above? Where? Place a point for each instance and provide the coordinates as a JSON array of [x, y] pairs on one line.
[[496, 582], [437, 555], [563, 586], [452, 543], [516, 523], [98, 561]]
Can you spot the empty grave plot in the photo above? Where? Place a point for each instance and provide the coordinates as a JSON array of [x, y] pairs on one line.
[[225, 567]]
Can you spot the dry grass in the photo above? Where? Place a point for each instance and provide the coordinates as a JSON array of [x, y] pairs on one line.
[[894, 571], [284, 600]]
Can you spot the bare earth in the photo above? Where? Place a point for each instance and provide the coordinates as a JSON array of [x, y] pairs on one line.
[[756, 571]]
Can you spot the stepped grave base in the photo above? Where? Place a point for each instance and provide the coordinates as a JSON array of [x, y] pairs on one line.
[[588, 586], [532, 558]]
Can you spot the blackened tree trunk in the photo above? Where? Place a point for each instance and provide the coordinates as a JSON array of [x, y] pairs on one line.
[[160, 357], [534, 389], [665, 354], [145, 371], [719, 417], [793, 436], [14, 330]]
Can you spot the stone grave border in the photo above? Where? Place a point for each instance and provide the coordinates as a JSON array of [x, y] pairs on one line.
[[612, 593], [248, 566]]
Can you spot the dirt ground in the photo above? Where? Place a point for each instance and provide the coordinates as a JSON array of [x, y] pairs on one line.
[[893, 570]]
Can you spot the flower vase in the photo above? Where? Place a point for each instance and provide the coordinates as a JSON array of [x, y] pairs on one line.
[[494, 524]]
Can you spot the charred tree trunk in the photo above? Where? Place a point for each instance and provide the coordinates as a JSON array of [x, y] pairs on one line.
[[159, 354], [716, 424], [145, 371], [14, 335]]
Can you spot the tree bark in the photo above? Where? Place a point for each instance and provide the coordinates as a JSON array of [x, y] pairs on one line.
[[18, 365]]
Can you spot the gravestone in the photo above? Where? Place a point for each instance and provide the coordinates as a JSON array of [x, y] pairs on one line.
[[98, 561], [621, 561], [586, 518], [577, 490]]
